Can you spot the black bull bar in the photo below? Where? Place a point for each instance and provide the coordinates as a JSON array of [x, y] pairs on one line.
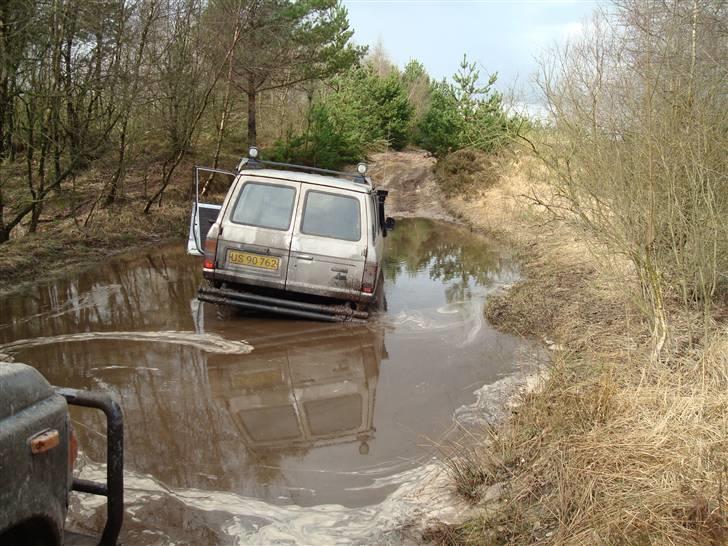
[[113, 489], [299, 309]]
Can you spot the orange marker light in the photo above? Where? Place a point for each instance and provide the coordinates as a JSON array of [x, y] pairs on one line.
[[44, 441]]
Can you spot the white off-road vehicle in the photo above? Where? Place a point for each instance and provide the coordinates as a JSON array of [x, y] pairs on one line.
[[293, 240]]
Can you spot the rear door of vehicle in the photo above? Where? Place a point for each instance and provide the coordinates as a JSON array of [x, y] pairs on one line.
[[253, 246], [204, 214], [329, 243], [202, 217]]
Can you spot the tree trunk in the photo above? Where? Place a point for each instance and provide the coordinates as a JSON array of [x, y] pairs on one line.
[[3, 233], [189, 130], [38, 202], [128, 104], [221, 127], [120, 173], [251, 116]]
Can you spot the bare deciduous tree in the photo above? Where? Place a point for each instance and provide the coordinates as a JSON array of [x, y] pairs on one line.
[[637, 156]]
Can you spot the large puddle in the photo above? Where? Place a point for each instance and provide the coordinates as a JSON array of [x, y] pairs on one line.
[[320, 433]]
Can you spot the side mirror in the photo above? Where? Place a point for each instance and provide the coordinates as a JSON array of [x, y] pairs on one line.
[[389, 224]]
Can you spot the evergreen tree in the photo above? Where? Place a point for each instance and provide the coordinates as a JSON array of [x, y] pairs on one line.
[[465, 114], [441, 127], [364, 111], [288, 42]]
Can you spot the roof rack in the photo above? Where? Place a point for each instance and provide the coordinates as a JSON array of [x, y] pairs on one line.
[[252, 162]]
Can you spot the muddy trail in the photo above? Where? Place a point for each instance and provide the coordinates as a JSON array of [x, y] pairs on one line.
[[410, 179], [257, 429]]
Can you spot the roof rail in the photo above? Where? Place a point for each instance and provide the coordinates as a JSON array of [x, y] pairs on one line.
[[254, 163]]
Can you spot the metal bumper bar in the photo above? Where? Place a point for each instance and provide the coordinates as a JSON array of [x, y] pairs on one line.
[[256, 302], [113, 489]]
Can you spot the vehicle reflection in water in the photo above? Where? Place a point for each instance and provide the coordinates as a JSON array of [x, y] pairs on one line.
[[300, 391], [302, 404], [249, 424]]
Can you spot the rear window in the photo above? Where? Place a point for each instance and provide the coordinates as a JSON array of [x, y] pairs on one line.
[[264, 205], [331, 215]]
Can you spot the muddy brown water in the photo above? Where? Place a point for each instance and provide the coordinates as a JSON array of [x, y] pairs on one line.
[[262, 429]]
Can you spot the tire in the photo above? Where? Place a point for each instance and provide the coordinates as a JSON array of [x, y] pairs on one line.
[[379, 304], [222, 312]]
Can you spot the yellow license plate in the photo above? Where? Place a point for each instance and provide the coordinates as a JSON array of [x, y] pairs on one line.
[[254, 260]]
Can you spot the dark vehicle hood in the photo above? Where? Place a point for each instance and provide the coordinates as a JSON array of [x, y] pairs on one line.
[[20, 387]]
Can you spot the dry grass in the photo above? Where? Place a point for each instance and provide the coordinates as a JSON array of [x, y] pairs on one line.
[[616, 447], [473, 465], [467, 473]]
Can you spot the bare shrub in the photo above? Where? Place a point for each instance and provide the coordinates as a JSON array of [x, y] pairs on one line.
[[466, 173], [637, 155]]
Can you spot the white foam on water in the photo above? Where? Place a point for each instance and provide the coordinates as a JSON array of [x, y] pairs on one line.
[[448, 309], [132, 368], [478, 323], [211, 343], [424, 493], [406, 322], [494, 401]]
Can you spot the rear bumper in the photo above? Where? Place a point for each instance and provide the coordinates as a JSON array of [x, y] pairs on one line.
[[218, 275], [282, 306]]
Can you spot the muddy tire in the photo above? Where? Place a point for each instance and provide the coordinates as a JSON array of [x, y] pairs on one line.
[[222, 312], [379, 304]]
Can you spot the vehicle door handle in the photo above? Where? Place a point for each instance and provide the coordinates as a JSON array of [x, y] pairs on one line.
[[340, 270], [305, 257]]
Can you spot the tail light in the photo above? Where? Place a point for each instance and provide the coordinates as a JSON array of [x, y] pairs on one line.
[[210, 251], [370, 278], [72, 449]]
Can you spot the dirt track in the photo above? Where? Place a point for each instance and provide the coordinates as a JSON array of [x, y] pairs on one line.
[[409, 176]]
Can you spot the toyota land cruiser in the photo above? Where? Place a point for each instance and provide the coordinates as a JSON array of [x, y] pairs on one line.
[[293, 240]]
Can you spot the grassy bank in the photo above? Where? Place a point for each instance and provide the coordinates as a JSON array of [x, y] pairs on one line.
[[76, 230], [614, 446]]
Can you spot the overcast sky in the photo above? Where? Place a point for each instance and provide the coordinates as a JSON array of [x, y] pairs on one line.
[[502, 36]]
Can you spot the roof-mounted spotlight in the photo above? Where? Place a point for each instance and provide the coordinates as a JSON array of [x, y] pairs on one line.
[[253, 152], [361, 168]]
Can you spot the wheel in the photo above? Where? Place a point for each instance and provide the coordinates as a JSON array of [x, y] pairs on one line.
[[222, 312], [379, 304]]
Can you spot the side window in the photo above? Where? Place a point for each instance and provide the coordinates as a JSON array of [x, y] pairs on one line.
[[264, 205], [331, 215]]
